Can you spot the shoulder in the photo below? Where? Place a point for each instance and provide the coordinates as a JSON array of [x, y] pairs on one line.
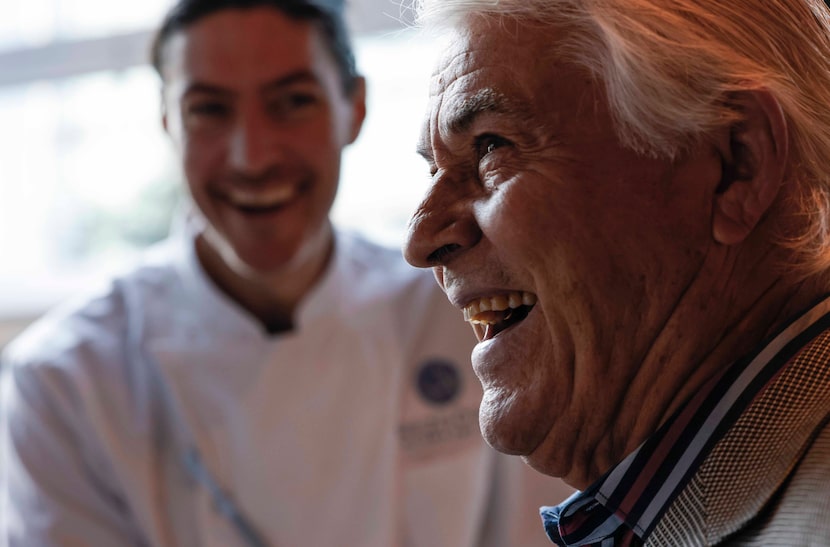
[[799, 513], [85, 339], [414, 305], [380, 277], [808, 491], [381, 270], [370, 257]]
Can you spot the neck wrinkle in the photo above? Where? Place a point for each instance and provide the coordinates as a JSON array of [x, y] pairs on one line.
[[693, 346]]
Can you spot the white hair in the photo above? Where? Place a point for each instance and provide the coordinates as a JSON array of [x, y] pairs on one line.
[[670, 66]]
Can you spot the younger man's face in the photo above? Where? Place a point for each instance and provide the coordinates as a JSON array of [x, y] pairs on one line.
[[255, 104]]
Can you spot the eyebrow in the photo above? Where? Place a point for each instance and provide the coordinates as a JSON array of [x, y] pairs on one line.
[[301, 76], [297, 77], [206, 88], [485, 101]]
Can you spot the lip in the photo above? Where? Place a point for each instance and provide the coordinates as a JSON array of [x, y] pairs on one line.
[[491, 355], [264, 198], [462, 298], [261, 200], [498, 303], [493, 312]]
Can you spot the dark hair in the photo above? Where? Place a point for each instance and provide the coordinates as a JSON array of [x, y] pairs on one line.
[[327, 15]]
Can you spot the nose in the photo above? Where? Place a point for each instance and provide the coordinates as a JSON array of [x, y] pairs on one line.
[[254, 147], [442, 227]]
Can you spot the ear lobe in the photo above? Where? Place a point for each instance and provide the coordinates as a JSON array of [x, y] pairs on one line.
[[163, 108], [358, 100], [754, 168]]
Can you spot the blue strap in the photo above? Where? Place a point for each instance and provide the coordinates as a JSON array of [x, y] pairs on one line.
[[224, 504]]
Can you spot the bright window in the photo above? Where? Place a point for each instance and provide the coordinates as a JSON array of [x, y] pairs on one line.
[[86, 180], [28, 23], [87, 177]]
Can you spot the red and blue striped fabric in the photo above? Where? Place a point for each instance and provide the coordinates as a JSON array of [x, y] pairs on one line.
[[624, 506]]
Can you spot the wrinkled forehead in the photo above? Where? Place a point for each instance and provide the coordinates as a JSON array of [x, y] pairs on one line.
[[489, 66], [467, 49]]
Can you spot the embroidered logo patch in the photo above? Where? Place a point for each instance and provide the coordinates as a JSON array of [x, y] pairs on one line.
[[439, 381]]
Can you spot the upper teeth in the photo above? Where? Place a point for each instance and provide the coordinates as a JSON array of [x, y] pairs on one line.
[[269, 197], [497, 303]]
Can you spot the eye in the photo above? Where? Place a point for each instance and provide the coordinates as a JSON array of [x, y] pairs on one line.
[[487, 144], [295, 101], [206, 115], [292, 104], [299, 100], [209, 109]]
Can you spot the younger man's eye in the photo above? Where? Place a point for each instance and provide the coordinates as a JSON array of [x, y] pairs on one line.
[[206, 115], [209, 109], [290, 105], [298, 100]]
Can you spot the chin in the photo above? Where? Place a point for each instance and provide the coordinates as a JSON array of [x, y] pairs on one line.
[[545, 465], [504, 427], [270, 257]]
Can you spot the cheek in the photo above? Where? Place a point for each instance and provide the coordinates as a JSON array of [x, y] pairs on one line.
[[320, 134], [526, 228], [315, 147], [202, 158], [522, 406]]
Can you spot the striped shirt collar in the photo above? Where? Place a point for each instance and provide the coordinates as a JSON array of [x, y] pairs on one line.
[[623, 507]]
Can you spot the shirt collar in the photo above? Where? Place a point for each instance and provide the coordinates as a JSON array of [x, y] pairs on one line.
[[624, 506], [209, 303]]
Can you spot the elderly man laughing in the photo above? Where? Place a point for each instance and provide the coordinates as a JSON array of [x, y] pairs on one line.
[[630, 202]]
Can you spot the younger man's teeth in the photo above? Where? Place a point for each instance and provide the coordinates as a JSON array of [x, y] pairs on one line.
[[500, 302], [269, 198]]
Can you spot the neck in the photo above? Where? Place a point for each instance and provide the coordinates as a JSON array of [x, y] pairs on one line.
[[272, 297], [718, 319]]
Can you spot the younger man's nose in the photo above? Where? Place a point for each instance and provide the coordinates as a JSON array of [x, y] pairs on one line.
[[253, 146]]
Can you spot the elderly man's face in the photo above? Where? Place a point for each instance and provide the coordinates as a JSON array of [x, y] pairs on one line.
[[579, 247]]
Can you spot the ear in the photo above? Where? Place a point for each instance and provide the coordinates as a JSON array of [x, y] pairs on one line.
[[358, 104], [163, 108], [754, 166]]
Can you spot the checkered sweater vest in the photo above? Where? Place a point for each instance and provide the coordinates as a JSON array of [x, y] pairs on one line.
[[767, 481]]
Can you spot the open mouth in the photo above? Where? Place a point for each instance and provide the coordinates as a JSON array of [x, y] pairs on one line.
[[262, 201], [260, 209], [491, 315]]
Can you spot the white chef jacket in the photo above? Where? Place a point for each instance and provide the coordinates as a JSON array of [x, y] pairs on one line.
[[358, 428]]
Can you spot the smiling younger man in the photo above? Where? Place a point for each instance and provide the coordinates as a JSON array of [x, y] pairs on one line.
[[260, 108], [263, 379]]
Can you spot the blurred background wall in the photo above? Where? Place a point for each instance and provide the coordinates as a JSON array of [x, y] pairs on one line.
[[87, 178]]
